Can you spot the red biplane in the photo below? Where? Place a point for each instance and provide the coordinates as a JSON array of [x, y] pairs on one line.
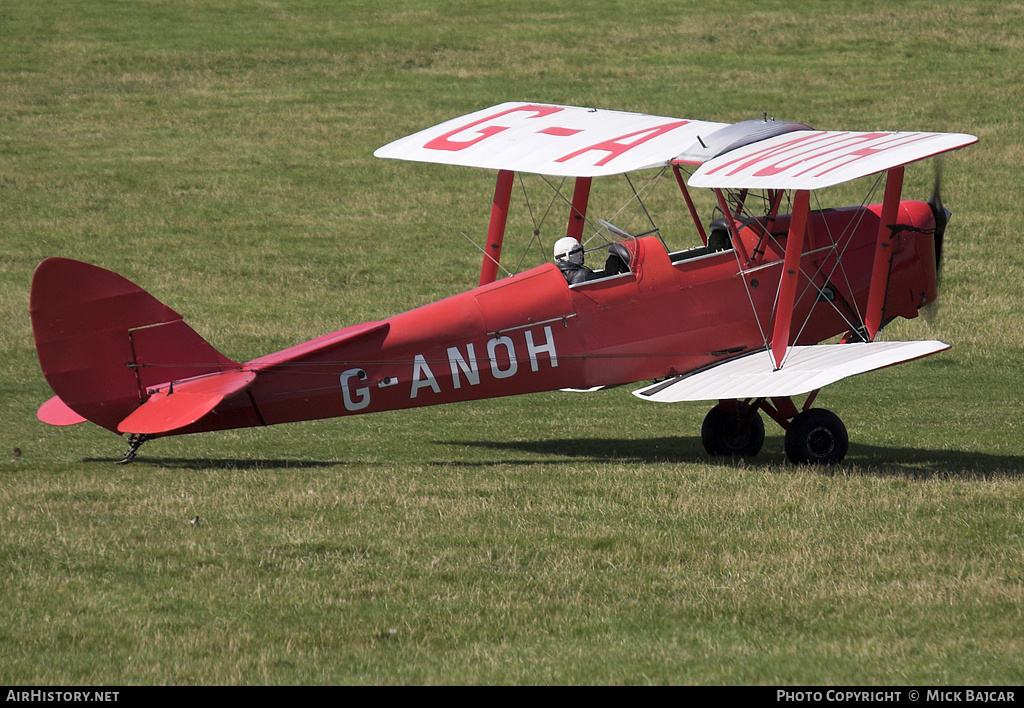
[[767, 307]]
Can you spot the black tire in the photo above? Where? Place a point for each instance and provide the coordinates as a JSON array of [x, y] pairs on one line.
[[817, 437], [732, 429]]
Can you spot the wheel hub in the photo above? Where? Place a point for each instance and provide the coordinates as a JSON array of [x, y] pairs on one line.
[[821, 441]]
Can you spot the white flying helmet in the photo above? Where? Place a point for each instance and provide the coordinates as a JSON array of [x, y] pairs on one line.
[[569, 249]]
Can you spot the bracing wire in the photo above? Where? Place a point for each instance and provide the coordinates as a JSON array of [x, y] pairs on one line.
[[838, 244]]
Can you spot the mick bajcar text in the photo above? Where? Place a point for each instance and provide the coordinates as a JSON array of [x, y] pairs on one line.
[[928, 695]]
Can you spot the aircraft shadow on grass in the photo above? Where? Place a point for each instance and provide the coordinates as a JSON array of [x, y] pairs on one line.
[[861, 459], [209, 463]]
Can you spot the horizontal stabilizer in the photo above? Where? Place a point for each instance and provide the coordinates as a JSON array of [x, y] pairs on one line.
[[806, 369], [57, 412], [181, 404]]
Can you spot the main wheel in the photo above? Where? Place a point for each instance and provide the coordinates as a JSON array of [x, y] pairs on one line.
[[816, 437], [732, 429]]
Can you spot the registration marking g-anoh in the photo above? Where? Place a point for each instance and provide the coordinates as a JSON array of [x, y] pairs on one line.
[[475, 132], [503, 362]]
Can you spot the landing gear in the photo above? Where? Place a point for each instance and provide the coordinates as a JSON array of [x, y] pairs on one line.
[[134, 443], [732, 428], [813, 435], [816, 437]]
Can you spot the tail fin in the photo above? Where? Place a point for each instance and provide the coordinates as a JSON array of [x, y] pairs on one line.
[[103, 341]]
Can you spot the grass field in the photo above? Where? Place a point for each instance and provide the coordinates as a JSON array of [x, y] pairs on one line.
[[220, 154]]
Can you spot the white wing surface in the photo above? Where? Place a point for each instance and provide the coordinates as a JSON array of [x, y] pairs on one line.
[[554, 140], [806, 369], [812, 159]]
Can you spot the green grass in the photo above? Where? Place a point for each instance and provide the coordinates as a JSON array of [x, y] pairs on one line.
[[220, 154]]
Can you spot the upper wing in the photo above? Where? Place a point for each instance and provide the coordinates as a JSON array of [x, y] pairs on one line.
[[812, 159], [552, 140], [548, 139]]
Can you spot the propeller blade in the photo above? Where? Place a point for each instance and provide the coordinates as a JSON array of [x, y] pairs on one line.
[[940, 213]]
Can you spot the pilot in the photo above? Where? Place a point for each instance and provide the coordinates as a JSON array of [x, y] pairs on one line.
[[569, 259]]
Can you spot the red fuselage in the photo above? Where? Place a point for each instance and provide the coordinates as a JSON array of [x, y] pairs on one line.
[[673, 313]]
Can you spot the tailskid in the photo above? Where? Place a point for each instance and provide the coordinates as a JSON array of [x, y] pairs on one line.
[[134, 443]]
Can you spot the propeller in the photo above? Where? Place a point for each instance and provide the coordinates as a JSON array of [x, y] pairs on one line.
[[941, 215]]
